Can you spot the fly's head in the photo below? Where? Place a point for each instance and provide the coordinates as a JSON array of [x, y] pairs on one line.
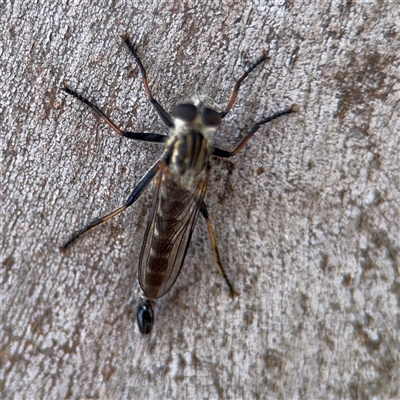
[[196, 117]]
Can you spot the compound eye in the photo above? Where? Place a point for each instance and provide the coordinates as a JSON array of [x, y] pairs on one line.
[[185, 112], [211, 117]]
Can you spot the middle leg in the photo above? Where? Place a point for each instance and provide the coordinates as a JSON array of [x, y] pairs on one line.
[[146, 137], [226, 154]]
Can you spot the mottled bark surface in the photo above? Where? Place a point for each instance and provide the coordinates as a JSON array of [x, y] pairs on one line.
[[306, 216]]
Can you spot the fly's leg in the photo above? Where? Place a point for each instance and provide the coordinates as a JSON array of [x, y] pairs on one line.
[[217, 260], [237, 84], [157, 106], [226, 154], [146, 137], [139, 189]]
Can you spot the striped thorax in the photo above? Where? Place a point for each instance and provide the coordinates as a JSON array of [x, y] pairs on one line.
[[188, 150]]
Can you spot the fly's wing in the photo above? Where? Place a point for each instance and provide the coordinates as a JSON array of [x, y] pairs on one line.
[[167, 237]]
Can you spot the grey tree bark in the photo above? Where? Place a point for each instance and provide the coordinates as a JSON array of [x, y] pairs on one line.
[[306, 216]]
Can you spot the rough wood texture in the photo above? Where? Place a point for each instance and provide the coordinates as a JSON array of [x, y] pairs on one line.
[[306, 216]]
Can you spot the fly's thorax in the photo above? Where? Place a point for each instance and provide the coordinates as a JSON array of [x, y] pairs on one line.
[[189, 152], [190, 157], [189, 148]]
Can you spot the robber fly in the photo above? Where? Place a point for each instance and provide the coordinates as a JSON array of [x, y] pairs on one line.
[[180, 179]]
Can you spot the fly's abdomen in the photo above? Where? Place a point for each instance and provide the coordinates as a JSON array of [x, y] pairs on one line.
[[174, 213], [160, 249]]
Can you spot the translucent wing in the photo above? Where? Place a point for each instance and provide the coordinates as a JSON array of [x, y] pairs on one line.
[[167, 237]]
